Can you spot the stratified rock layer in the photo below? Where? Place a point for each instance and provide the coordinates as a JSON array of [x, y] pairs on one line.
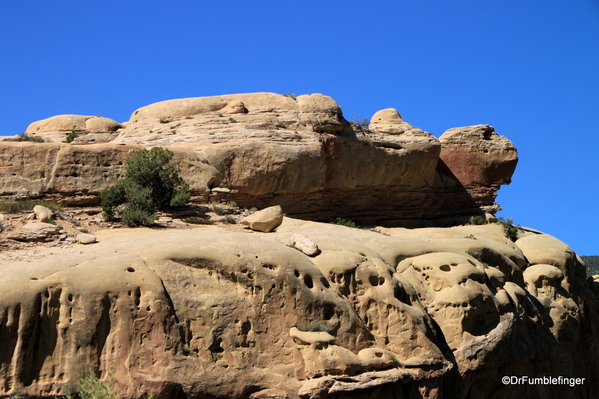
[[425, 313], [299, 153]]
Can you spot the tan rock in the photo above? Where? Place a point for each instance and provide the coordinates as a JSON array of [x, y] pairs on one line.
[[304, 244], [303, 155], [169, 308], [56, 128], [311, 337], [84, 238], [35, 232], [79, 173], [265, 220], [101, 124], [65, 123], [42, 213]]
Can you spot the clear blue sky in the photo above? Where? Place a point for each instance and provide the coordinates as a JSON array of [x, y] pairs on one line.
[[529, 68]]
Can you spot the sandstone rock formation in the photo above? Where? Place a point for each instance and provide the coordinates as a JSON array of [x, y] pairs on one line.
[[268, 149], [56, 128], [77, 174], [423, 313]]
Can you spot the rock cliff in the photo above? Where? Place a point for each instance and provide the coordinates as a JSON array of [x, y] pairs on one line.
[[269, 149], [303, 309]]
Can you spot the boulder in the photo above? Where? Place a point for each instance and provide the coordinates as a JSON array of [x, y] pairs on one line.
[[84, 238], [35, 232], [42, 213], [265, 220], [304, 244], [477, 155]]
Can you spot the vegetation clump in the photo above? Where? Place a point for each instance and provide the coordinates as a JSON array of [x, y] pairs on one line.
[[510, 229], [27, 205], [35, 139], [90, 387], [70, 137], [478, 220], [344, 222], [150, 184]]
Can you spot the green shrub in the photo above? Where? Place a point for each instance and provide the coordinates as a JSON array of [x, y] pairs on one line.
[[291, 96], [510, 229], [71, 136], [150, 184], [344, 222], [360, 122], [478, 220], [229, 219], [151, 169], [218, 210], [90, 387]]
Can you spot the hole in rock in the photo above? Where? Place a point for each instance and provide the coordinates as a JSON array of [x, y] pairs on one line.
[[308, 281], [328, 312], [445, 268], [325, 282], [297, 273], [34, 278], [378, 354], [374, 281], [130, 269]]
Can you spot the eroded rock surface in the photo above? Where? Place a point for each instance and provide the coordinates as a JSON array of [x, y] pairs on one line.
[[270, 149], [425, 313]]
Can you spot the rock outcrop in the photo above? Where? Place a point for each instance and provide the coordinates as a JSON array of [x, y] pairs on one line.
[[424, 313], [298, 153], [91, 128], [76, 174]]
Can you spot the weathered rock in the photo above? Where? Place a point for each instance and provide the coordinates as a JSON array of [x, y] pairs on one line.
[[300, 154], [474, 162], [304, 244], [207, 313], [84, 238], [265, 220], [77, 174], [42, 213], [36, 231], [56, 128], [478, 155]]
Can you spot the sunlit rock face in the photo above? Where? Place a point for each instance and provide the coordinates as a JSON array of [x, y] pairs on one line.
[[269, 149], [207, 312]]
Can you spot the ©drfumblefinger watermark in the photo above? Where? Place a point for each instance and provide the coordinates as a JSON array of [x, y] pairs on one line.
[[561, 380]]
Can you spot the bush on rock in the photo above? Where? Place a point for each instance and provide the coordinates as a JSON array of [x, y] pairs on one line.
[[150, 184]]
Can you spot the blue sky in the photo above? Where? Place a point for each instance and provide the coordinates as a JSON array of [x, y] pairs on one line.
[[528, 68]]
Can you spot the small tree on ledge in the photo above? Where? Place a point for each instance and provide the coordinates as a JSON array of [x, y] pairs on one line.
[[150, 184]]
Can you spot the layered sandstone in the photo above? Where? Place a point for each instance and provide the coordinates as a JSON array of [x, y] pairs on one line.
[[430, 313], [299, 153]]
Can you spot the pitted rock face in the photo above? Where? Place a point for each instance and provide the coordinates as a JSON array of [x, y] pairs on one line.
[[245, 311], [545, 283]]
